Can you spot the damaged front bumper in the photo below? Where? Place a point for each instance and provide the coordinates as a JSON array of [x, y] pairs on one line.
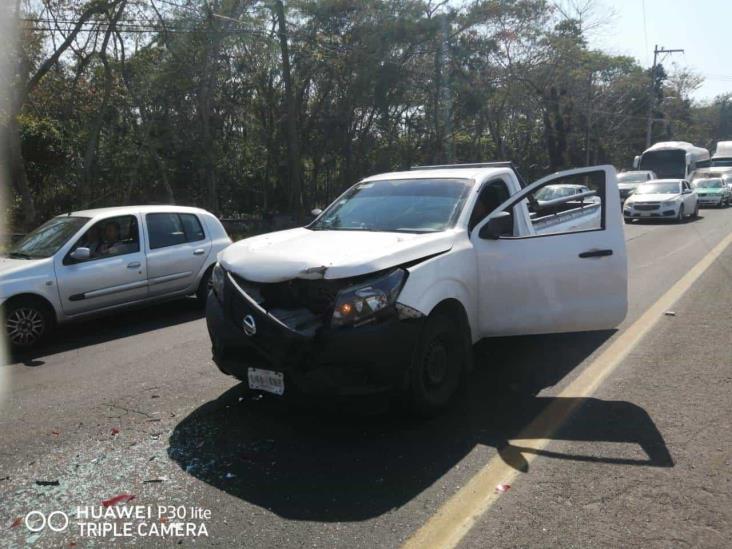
[[343, 361]]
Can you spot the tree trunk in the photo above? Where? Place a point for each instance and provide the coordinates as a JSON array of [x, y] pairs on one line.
[[293, 144]]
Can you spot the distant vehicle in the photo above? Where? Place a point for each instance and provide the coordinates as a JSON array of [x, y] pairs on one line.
[[712, 192], [662, 198], [100, 260], [629, 181], [389, 287], [551, 192], [672, 159], [722, 157]]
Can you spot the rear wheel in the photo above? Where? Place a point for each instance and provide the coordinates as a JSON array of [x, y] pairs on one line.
[[28, 321], [438, 365], [204, 286]]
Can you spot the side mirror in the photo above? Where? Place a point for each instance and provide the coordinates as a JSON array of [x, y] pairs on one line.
[[686, 191], [81, 254], [316, 212], [499, 225], [636, 162]]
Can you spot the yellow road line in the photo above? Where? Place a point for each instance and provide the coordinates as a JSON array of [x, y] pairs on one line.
[[457, 516]]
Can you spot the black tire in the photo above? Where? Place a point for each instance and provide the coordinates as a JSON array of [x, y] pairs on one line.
[[695, 215], [680, 217], [204, 286], [27, 321], [628, 220], [439, 363]]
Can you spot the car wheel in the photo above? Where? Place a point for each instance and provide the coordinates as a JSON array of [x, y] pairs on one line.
[[440, 360], [204, 286], [680, 216], [628, 220], [696, 211], [27, 322]]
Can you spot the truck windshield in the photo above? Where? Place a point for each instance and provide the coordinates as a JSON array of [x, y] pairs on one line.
[[48, 238], [400, 205], [665, 164], [659, 188]]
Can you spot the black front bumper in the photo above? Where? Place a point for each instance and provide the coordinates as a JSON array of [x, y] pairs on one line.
[[344, 361]]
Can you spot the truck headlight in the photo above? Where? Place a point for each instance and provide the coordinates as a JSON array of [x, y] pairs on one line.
[[218, 276], [359, 304]]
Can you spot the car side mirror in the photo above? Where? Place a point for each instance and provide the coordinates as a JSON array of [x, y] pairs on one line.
[[316, 212], [687, 191], [497, 226], [636, 162], [81, 254]]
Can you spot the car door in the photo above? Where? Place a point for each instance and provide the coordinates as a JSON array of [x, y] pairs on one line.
[[177, 250], [690, 197], [565, 277], [114, 274]]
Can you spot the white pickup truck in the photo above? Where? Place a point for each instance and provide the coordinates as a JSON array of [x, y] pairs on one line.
[[391, 285]]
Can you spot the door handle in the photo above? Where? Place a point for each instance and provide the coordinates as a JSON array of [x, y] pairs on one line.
[[134, 265], [199, 251], [596, 253]]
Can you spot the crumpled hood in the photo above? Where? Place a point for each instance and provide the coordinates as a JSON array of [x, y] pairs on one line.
[[302, 253], [652, 197]]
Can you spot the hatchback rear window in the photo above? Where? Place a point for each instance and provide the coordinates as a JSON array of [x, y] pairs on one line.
[[171, 228]]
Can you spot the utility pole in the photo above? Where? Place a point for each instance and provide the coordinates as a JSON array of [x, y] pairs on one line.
[[651, 90], [589, 118]]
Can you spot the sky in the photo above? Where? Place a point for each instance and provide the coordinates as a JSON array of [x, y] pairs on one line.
[[701, 27]]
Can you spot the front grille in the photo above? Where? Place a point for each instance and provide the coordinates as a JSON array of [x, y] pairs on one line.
[[318, 296], [647, 207]]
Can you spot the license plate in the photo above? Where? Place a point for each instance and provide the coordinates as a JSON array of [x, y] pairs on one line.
[[266, 380]]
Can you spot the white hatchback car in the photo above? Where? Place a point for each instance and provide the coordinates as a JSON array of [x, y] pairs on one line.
[[93, 261]]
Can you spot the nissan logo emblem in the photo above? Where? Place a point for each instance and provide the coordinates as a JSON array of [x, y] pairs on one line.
[[249, 325]]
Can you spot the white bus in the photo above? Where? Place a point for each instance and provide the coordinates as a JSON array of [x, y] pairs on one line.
[[672, 159]]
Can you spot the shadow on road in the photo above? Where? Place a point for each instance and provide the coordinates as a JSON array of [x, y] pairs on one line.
[[326, 465], [77, 335]]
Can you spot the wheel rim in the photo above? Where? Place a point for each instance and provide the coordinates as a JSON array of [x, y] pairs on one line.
[[436, 364], [25, 326]]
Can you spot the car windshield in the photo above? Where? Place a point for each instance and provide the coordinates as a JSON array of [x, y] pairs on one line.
[[48, 238], [632, 177], [401, 205], [669, 187], [708, 184], [551, 192], [666, 164]]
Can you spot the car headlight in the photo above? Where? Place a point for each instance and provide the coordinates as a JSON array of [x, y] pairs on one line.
[[673, 202], [360, 304], [218, 276]]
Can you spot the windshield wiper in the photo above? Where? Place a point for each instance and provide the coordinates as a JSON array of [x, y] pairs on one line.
[[19, 255]]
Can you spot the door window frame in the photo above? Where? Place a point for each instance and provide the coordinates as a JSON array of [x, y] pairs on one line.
[[148, 232], [70, 261], [517, 199]]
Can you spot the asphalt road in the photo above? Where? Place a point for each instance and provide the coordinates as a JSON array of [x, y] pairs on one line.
[[133, 405]]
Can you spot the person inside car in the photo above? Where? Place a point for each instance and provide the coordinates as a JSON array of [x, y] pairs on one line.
[[110, 246], [92, 240]]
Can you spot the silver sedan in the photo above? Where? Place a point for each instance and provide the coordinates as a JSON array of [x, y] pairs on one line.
[[95, 261]]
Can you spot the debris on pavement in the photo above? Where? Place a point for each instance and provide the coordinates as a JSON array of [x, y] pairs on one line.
[[502, 488], [115, 431], [16, 522], [47, 482], [121, 498], [670, 313], [55, 433], [229, 475], [155, 480]]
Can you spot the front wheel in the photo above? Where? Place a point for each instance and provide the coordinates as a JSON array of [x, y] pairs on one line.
[[696, 211], [440, 360], [680, 216], [27, 322]]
